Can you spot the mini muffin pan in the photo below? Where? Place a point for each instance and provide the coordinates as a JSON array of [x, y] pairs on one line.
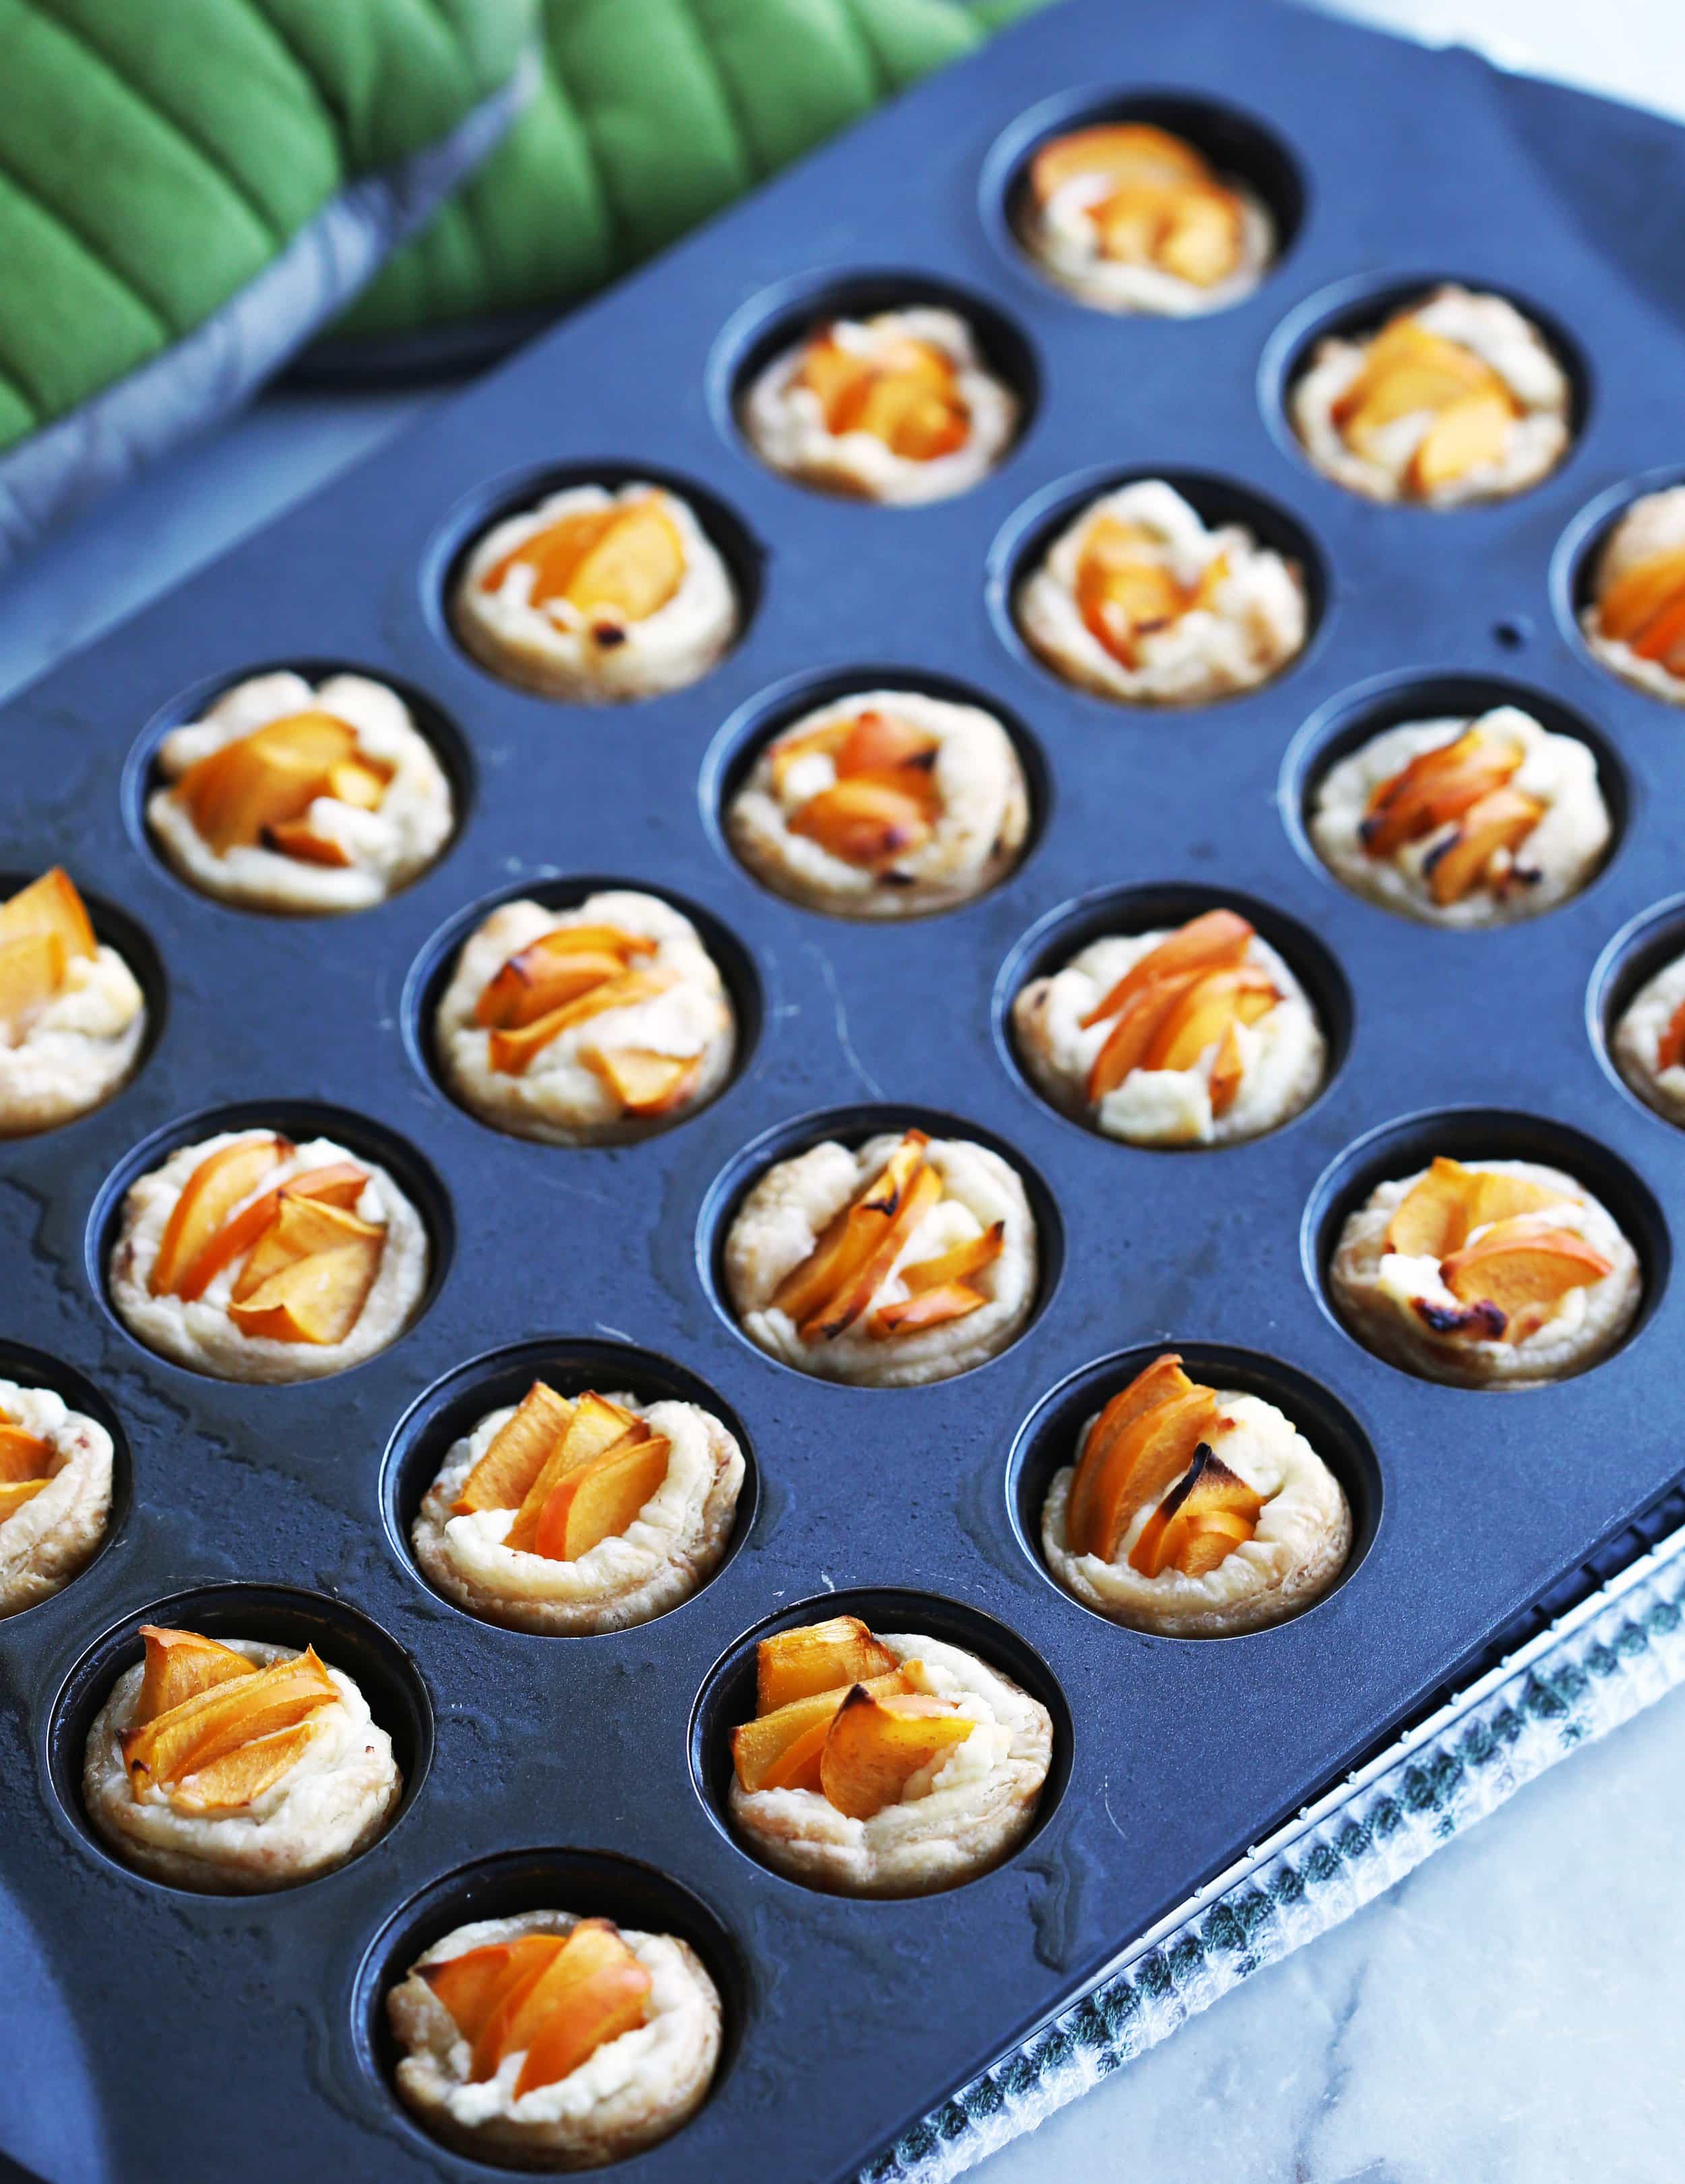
[[155, 2033]]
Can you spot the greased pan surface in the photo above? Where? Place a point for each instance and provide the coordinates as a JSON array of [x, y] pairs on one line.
[[156, 2032]]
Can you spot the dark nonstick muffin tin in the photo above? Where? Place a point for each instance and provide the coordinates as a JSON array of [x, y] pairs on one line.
[[156, 2032]]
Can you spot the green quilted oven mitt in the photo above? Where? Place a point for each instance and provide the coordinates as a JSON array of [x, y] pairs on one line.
[[651, 115], [188, 188]]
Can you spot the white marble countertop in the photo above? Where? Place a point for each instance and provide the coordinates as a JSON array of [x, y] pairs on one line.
[[1510, 2013]]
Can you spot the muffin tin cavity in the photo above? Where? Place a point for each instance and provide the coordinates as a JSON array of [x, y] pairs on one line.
[[852, 1127], [593, 1883], [727, 1693], [1646, 944], [299, 1120], [1052, 940], [1347, 722], [142, 774], [777, 320], [1574, 566], [119, 929], [1050, 1438], [732, 755], [1474, 1134], [435, 966], [1023, 541], [1233, 142], [1353, 309], [453, 1406], [275, 1615], [31, 1368], [514, 492]]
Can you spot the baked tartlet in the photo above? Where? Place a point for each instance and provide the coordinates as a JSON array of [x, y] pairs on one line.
[[72, 1017], [235, 1769], [589, 1026], [1136, 599], [1457, 399], [294, 796], [594, 596], [892, 1764], [1635, 621], [884, 804], [907, 1261], [1648, 1042], [251, 1258], [548, 2041], [1485, 1274], [1195, 1035], [1129, 217], [1194, 1511], [1464, 822], [55, 1493], [899, 408], [591, 1514]]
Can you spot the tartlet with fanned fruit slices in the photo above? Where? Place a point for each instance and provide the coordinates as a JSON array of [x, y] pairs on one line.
[[55, 1493], [1649, 1041], [547, 2041], [587, 1026], [72, 1017], [581, 1515], [1129, 217], [1634, 621], [251, 1258], [1195, 1036], [1137, 599], [1487, 1274], [594, 596], [1458, 399], [1464, 822], [1195, 1512], [236, 1769], [904, 1260], [899, 408], [291, 796], [887, 1765], [890, 804]]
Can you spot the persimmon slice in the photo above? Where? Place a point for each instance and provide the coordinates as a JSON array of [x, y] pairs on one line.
[[340, 1183], [959, 1262], [235, 1780], [930, 1308], [1208, 1513], [207, 1200], [595, 1424], [516, 1452], [817, 1656], [1158, 1383], [1437, 786], [179, 1665], [1517, 1264], [777, 1747], [23, 1454], [16, 1493], [1636, 598], [598, 1500], [1472, 432], [851, 1238], [626, 561], [643, 1081], [1501, 821], [513, 1052], [1215, 940], [875, 1746], [214, 1722]]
